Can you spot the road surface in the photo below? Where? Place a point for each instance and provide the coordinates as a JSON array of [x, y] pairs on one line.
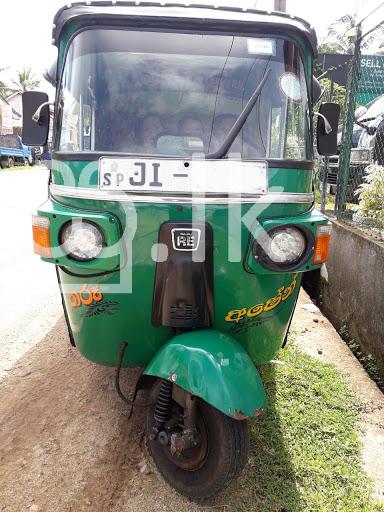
[[29, 300], [65, 440]]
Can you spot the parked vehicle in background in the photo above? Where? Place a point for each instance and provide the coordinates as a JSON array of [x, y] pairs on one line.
[[367, 148], [13, 151], [36, 155], [370, 147]]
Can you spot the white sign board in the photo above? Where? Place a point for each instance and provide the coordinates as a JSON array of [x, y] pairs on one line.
[[182, 176]]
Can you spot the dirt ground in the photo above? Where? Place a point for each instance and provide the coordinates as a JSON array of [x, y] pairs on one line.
[[66, 444], [65, 440]]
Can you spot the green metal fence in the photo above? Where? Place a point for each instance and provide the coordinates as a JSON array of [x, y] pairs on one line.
[[356, 174]]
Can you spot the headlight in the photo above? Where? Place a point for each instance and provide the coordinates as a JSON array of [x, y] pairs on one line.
[[360, 155], [81, 240], [286, 245], [283, 247]]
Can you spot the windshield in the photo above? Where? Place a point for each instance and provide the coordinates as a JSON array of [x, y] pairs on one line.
[[177, 94]]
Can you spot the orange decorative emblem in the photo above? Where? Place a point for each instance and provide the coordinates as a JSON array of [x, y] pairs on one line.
[[85, 297], [235, 315]]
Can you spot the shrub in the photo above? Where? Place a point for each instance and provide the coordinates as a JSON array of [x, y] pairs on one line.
[[371, 194]]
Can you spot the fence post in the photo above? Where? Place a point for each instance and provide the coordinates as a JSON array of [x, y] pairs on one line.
[[326, 161], [345, 154]]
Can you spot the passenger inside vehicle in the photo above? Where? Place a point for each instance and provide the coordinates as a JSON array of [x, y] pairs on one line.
[[148, 130]]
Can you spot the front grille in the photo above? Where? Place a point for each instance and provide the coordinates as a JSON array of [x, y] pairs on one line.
[[182, 311], [332, 177]]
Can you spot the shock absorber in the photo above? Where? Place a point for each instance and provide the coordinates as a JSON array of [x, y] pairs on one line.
[[163, 404]]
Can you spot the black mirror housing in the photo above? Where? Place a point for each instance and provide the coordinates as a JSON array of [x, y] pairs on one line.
[[35, 133], [50, 74], [327, 140]]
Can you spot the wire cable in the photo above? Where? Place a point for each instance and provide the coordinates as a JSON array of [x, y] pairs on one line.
[[370, 14]]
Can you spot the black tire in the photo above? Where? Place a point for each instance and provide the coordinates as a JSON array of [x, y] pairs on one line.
[[226, 453]]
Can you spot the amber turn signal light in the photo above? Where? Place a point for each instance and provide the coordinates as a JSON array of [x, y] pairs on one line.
[[323, 239], [41, 236]]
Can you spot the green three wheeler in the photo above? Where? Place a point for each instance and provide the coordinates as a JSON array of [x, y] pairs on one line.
[[181, 210]]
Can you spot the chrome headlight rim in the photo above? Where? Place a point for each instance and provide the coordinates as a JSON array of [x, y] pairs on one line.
[[264, 259], [72, 256]]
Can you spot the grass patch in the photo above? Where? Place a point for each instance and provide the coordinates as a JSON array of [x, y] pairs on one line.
[[329, 201], [368, 361], [306, 449]]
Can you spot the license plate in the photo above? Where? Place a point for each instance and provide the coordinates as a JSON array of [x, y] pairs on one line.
[[183, 177]]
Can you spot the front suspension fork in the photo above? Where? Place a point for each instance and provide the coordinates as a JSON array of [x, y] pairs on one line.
[[178, 441]]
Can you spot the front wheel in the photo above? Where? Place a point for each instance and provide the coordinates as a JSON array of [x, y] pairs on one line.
[[217, 454]]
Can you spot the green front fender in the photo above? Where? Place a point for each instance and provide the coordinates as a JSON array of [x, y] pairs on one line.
[[213, 366]]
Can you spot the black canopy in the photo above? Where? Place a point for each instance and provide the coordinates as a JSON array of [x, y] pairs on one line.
[[191, 17]]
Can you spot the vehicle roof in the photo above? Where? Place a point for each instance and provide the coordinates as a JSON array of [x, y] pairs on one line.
[[119, 12]]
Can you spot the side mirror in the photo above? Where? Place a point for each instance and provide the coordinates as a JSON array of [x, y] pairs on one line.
[[327, 127], [35, 128]]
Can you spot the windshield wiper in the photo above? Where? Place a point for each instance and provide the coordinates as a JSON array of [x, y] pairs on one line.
[[239, 123]]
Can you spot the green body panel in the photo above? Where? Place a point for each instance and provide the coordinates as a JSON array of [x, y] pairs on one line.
[[109, 225], [63, 44], [308, 221], [214, 367], [98, 334]]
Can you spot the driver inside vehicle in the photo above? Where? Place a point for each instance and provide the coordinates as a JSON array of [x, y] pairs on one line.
[[120, 134], [191, 125]]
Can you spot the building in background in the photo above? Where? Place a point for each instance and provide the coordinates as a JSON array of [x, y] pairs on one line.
[[15, 101], [6, 121]]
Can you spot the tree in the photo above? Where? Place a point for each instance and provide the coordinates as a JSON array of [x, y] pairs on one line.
[[26, 81], [337, 96], [338, 29], [337, 34], [326, 47]]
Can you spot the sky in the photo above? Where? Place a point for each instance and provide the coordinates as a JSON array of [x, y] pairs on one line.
[[25, 33]]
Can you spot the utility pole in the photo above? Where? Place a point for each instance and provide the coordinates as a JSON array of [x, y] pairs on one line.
[[280, 5]]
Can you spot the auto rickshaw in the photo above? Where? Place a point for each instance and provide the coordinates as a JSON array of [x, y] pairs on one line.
[[181, 212]]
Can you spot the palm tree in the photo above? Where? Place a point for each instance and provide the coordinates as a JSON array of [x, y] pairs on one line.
[[338, 29], [26, 81], [337, 33]]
